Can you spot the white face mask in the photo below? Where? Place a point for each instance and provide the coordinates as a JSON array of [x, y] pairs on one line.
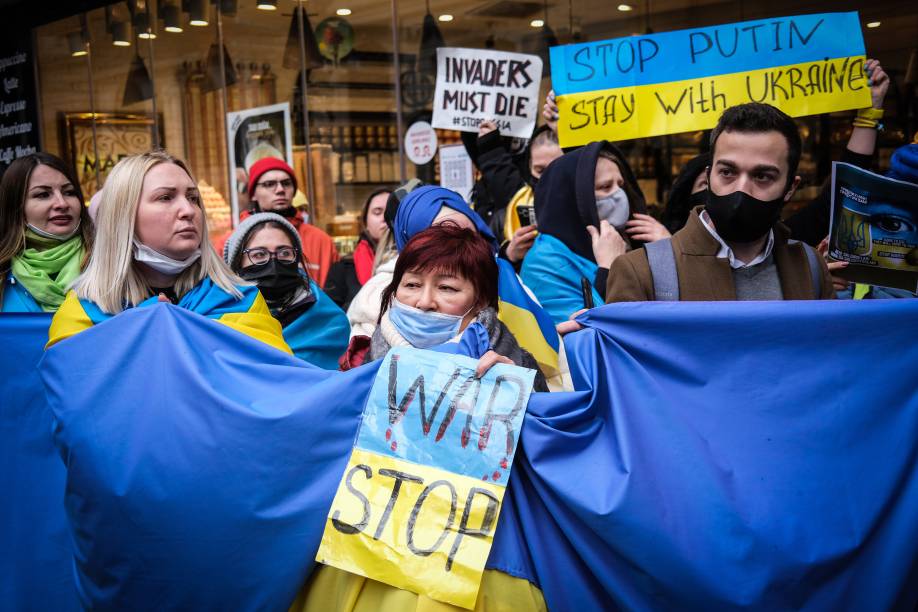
[[161, 263], [58, 237], [614, 208]]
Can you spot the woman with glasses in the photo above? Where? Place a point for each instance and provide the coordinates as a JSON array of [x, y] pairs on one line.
[[265, 249], [151, 246]]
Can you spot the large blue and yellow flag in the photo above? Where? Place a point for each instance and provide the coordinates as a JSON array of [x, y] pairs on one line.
[[715, 455]]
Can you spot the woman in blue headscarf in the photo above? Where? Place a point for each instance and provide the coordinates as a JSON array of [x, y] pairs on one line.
[[517, 309]]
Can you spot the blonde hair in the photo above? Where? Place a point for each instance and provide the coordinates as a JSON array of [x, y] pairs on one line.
[[112, 279], [385, 249]]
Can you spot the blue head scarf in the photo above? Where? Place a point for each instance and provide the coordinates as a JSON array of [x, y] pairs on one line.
[[420, 207]]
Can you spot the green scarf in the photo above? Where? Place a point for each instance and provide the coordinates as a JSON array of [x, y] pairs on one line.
[[46, 268]]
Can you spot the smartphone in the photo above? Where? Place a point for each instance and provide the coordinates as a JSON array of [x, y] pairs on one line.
[[526, 215]]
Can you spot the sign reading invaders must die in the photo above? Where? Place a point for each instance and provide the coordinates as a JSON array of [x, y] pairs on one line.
[[682, 81]]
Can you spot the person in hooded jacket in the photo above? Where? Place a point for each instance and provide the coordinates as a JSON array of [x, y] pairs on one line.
[[590, 210], [265, 249], [347, 276]]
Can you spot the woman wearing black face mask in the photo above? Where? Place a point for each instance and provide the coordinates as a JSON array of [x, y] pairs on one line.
[[265, 249]]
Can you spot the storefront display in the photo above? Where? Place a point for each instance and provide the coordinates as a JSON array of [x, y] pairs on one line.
[[354, 76]]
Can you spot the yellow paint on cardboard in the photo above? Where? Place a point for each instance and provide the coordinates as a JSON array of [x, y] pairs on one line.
[[696, 104], [389, 558]]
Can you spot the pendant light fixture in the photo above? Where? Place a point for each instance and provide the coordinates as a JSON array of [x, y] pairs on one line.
[[198, 13], [267, 5], [121, 34], [138, 87], [212, 69], [77, 44], [292, 50], [172, 18], [431, 39]]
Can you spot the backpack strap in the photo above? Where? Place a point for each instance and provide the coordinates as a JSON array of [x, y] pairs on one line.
[[813, 264], [662, 262]]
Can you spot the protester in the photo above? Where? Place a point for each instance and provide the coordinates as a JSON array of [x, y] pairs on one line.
[[272, 186], [445, 281], [506, 183], [443, 296], [346, 277], [519, 310], [590, 210], [265, 249], [45, 233], [734, 248], [152, 246], [688, 191]]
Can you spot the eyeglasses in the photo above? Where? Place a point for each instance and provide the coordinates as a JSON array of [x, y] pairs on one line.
[[272, 185], [260, 255]]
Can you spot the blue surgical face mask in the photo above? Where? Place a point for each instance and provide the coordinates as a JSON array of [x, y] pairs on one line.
[[421, 328], [614, 208]]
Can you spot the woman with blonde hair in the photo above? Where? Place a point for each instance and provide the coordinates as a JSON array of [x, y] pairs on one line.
[[152, 246]]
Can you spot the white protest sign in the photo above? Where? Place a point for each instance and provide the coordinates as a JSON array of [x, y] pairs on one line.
[[474, 85], [456, 170]]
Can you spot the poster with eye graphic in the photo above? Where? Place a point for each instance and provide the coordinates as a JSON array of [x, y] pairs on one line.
[[874, 227]]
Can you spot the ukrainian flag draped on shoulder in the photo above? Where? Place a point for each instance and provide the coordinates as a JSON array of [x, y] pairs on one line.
[[248, 314], [523, 316]]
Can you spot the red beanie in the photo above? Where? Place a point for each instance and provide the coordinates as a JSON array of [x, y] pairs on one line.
[[267, 164]]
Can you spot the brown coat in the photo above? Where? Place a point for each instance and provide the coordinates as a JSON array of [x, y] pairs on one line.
[[704, 277]]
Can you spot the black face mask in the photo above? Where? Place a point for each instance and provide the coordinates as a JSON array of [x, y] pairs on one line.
[[739, 217], [276, 280], [698, 198]]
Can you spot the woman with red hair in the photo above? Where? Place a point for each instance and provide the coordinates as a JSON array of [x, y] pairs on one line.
[[443, 295]]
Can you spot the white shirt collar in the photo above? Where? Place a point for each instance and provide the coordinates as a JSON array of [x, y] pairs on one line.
[[726, 252]]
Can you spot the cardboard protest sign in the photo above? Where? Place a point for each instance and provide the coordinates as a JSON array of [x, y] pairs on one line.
[[874, 227], [418, 504], [474, 85], [682, 81]]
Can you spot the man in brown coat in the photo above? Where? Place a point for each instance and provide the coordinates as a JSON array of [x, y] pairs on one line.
[[734, 247]]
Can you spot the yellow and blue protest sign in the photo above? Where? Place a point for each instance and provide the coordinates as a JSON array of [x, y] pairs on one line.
[[417, 507], [680, 81]]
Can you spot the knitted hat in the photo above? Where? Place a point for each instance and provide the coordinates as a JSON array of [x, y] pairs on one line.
[[266, 165], [904, 164], [232, 250]]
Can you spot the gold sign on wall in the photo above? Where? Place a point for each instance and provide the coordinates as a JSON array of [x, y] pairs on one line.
[[116, 136]]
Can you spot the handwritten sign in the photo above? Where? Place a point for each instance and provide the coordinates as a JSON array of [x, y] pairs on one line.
[[419, 501], [874, 227], [475, 85], [682, 81]]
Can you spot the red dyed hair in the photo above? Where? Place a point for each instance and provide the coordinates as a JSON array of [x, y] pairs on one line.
[[449, 249]]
